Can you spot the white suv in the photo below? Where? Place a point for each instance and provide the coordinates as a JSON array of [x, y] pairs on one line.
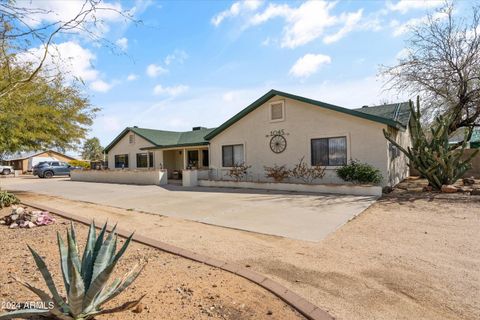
[[6, 169]]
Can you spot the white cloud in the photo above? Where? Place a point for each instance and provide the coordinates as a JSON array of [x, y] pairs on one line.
[[178, 55], [403, 6], [154, 70], [402, 28], [122, 43], [132, 77], [351, 21], [170, 91], [101, 86], [98, 22], [403, 54], [309, 64], [69, 58], [308, 22], [228, 96], [235, 9]]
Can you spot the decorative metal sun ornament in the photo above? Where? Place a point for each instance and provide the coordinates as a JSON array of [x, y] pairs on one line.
[[278, 143]]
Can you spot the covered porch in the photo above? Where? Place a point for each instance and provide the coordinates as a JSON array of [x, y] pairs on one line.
[[177, 159]]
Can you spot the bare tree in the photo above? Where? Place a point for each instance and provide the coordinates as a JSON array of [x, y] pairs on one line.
[[442, 63], [22, 27]]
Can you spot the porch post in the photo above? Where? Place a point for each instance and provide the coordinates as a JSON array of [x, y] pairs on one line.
[[184, 159]]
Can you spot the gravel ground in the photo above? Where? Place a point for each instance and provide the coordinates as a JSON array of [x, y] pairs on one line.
[[403, 258], [175, 288]]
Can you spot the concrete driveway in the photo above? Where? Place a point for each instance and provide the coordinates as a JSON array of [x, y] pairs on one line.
[[294, 215]]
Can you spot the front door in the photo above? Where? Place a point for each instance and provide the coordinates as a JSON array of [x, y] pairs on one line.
[[192, 159]]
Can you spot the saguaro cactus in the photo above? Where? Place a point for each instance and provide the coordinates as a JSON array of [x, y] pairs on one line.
[[439, 161]]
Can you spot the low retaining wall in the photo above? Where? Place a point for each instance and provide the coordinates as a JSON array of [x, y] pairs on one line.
[[140, 177], [190, 178], [363, 190]]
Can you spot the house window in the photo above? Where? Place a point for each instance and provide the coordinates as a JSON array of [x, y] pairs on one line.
[[394, 151], [277, 111], [205, 158], [232, 155], [150, 160], [131, 138], [329, 151], [142, 160], [121, 161]]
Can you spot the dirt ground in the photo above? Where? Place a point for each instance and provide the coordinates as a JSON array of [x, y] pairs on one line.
[[176, 288], [403, 258]]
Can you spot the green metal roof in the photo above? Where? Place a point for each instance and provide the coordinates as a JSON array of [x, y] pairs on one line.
[[394, 115], [459, 135], [165, 139], [399, 112]]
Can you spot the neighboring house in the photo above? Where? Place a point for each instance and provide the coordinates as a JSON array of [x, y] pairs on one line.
[[26, 160], [278, 128], [459, 135]]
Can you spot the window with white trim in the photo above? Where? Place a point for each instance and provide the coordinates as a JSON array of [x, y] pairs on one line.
[[145, 160], [232, 155], [277, 111], [121, 161], [329, 151]]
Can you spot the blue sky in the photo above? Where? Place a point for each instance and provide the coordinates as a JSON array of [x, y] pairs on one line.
[[199, 62]]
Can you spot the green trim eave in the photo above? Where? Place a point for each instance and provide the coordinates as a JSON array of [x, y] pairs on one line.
[[176, 146], [272, 93], [122, 134]]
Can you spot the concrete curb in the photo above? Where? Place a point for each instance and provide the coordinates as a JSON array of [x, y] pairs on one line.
[[307, 309]]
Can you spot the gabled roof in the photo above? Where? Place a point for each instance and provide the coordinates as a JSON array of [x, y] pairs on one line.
[[394, 115], [29, 154], [165, 139]]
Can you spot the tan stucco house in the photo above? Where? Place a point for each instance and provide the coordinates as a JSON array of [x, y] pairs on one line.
[[278, 128], [24, 161]]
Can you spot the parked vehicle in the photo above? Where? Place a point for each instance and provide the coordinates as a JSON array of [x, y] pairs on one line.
[[6, 170], [48, 169]]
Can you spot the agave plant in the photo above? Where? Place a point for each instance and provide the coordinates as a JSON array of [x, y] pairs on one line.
[[85, 280]]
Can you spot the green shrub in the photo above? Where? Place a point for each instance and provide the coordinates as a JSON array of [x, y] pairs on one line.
[[80, 163], [361, 173], [7, 199]]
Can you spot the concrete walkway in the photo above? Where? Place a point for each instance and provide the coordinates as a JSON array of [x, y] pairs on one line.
[[309, 217]]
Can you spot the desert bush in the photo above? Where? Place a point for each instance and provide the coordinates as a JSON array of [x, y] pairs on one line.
[[306, 173], [7, 199], [239, 171], [431, 153], [85, 279], [358, 172], [80, 163], [278, 173]]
